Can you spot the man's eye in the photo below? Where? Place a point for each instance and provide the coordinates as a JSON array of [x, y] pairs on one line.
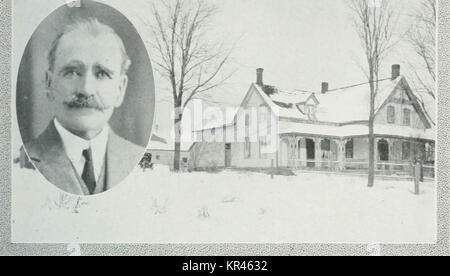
[[72, 73], [103, 75]]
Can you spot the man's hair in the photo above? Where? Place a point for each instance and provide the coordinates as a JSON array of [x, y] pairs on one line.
[[93, 27]]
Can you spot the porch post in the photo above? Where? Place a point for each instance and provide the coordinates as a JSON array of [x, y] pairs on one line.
[[318, 156], [302, 152], [277, 153], [292, 154], [341, 154], [297, 152]]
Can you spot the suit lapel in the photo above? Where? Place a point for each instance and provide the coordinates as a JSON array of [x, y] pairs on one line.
[[52, 161], [120, 160], [114, 162], [49, 157]]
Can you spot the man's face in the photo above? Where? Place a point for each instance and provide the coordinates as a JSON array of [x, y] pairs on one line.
[[86, 83]]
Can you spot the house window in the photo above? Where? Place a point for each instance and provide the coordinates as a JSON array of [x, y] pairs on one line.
[[213, 132], [406, 117], [299, 149], [157, 157], [262, 144], [247, 125], [391, 115], [429, 152], [247, 148], [349, 149], [325, 145], [311, 111], [406, 150]]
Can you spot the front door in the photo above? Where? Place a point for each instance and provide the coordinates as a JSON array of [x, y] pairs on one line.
[[383, 150], [227, 155], [383, 153], [310, 152]]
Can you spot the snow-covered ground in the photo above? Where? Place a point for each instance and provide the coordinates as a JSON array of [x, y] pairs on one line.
[[228, 207]]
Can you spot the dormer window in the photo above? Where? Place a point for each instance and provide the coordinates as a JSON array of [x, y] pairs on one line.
[[311, 111]]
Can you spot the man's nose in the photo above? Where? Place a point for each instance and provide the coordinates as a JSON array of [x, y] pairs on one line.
[[88, 85]]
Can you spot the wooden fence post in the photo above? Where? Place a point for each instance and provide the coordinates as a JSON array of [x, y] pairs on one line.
[[417, 178]]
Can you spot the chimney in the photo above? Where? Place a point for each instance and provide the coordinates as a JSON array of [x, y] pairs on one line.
[[259, 76], [395, 71], [324, 87]]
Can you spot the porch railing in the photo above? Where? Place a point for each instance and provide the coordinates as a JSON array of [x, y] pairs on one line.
[[381, 168]]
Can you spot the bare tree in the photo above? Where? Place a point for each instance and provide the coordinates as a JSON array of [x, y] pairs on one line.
[[422, 38], [375, 26], [185, 55]]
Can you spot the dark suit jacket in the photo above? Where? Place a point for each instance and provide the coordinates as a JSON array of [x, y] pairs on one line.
[[47, 154]]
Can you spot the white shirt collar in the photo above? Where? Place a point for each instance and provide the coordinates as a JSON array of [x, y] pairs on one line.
[[74, 147]]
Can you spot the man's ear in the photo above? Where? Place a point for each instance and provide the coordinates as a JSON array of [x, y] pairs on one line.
[[48, 85], [122, 89]]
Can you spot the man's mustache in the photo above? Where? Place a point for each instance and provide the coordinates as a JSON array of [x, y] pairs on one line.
[[82, 101]]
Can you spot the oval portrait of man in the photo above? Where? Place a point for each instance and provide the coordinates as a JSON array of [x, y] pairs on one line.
[[85, 98]]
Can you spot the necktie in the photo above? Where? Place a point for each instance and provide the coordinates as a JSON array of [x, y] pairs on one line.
[[88, 175]]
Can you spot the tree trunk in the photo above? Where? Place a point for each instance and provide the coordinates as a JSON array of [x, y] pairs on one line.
[[371, 135], [177, 157], [371, 154], [177, 141]]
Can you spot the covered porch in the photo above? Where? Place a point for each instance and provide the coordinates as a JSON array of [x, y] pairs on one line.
[[393, 155]]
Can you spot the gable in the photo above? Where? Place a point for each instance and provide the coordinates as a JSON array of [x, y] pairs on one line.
[[312, 100], [253, 99], [402, 97], [396, 111]]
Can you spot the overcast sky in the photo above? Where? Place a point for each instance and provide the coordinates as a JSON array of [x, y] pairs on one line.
[[299, 43]]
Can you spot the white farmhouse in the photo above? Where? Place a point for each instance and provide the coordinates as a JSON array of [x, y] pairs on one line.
[[327, 130]]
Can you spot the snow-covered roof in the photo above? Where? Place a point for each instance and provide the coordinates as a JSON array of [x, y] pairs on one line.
[[354, 130], [332, 104], [339, 113], [290, 97], [352, 103], [343, 105], [283, 103], [323, 130]]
